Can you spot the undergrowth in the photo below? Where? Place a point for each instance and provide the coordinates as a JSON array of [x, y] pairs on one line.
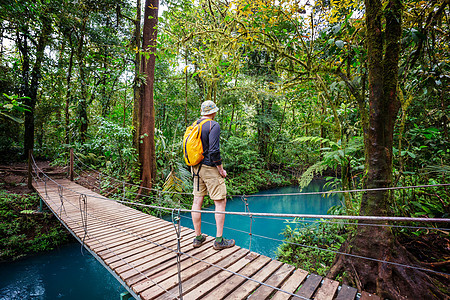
[[23, 231], [311, 246]]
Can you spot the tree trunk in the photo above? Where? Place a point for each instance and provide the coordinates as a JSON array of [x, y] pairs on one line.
[[31, 81], [82, 105], [137, 82], [386, 280], [186, 94], [68, 79], [147, 110]]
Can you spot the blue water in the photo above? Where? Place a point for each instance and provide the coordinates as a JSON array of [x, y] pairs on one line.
[[60, 274], [266, 231]]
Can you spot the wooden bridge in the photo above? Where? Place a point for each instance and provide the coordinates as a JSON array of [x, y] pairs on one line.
[[140, 251]]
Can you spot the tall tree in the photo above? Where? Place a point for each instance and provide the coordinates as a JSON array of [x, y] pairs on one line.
[[383, 34], [31, 71], [147, 155], [137, 80]]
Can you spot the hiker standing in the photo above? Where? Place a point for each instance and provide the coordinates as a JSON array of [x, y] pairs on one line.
[[209, 177]]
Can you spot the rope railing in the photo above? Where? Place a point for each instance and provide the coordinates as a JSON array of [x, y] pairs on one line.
[[255, 215]]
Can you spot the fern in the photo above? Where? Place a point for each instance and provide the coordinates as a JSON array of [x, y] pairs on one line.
[[177, 179], [308, 175], [315, 139]]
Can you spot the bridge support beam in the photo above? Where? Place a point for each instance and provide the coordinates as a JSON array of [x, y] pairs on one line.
[[71, 165], [125, 296], [30, 181]]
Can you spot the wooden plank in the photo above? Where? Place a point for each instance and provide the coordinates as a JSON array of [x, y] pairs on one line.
[[149, 265], [195, 269], [327, 290], [101, 229], [110, 231], [249, 286], [235, 281], [215, 280], [275, 280], [145, 238], [154, 256], [122, 238], [310, 286], [140, 249], [368, 296], [163, 237], [163, 271], [346, 293], [153, 253], [291, 285]]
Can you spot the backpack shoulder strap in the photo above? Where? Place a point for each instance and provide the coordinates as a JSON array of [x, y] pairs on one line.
[[204, 121]]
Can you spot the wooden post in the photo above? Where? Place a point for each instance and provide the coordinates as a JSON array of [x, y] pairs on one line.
[[71, 165], [30, 153]]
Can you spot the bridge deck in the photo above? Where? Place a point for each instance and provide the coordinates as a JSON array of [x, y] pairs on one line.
[[139, 250]]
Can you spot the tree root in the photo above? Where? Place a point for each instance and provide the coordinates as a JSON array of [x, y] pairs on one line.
[[383, 279]]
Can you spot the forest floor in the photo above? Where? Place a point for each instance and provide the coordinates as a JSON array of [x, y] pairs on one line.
[[14, 176], [25, 231]]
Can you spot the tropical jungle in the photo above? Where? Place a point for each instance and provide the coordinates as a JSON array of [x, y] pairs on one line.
[[352, 91]]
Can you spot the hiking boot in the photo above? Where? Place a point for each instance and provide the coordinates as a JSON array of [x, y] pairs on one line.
[[198, 242], [224, 244]]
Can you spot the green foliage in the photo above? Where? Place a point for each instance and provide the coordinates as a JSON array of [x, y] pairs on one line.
[[110, 147], [240, 154], [23, 231], [301, 243], [422, 202], [13, 105], [335, 156], [253, 180]]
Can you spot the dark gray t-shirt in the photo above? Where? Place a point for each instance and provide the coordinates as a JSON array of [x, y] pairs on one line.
[[210, 142]]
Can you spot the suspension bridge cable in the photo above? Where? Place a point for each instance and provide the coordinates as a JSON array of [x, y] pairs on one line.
[[361, 257], [296, 220], [175, 251], [328, 250], [283, 215], [120, 257], [316, 216], [298, 194]]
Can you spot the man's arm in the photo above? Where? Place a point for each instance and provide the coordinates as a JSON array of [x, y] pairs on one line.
[[222, 171]]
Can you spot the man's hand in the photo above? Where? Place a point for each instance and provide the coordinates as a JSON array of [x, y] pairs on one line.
[[222, 171]]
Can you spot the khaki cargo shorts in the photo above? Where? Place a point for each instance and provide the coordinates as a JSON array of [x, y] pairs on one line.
[[210, 182]]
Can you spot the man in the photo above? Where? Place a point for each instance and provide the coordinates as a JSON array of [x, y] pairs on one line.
[[209, 178]]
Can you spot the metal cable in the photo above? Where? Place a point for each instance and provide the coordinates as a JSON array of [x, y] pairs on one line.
[[295, 220], [341, 217], [122, 259], [178, 232], [298, 194], [315, 216], [82, 201], [318, 248], [246, 277], [358, 256]]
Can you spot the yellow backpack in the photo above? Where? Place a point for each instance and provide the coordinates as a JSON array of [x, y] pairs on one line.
[[192, 143]]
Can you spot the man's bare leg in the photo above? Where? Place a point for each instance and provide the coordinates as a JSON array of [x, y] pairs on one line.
[[197, 217], [220, 218]]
